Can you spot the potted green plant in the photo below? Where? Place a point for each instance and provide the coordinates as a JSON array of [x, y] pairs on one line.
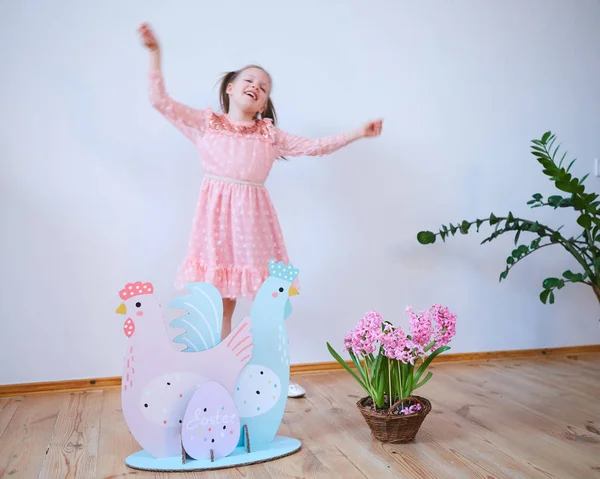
[[584, 247], [390, 365]]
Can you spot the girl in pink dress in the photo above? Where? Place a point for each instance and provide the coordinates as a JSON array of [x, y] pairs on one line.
[[235, 231]]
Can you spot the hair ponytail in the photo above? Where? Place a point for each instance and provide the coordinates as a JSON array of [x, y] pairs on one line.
[[226, 79], [270, 111]]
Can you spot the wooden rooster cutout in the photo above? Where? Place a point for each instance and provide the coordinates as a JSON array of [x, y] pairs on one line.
[[158, 380], [261, 389]]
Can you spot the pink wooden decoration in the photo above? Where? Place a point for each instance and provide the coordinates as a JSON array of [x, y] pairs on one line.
[[159, 381]]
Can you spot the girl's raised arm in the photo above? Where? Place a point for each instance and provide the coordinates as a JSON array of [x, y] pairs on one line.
[[291, 145], [190, 121]]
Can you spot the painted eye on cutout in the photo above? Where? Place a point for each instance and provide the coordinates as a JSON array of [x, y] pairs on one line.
[[138, 305], [281, 290]]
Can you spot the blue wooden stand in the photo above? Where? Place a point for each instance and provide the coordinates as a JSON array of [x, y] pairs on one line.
[[280, 447]]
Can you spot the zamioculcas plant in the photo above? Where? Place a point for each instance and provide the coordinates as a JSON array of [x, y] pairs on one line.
[[584, 247]]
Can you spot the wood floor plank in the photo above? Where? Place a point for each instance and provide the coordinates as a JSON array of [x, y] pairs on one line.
[[528, 418], [304, 463], [340, 455], [327, 393], [8, 407], [436, 446], [548, 397], [553, 402], [116, 441], [73, 452], [25, 440], [531, 434]]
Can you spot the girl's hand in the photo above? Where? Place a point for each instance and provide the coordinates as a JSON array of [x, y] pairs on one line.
[[147, 37], [368, 130], [372, 128]]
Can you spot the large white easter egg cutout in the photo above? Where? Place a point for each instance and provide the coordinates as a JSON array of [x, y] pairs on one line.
[[164, 399]]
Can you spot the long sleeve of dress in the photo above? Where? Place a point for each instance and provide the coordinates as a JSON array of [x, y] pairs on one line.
[[291, 145], [190, 121]]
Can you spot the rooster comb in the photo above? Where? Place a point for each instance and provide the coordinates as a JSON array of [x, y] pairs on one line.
[[280, 270], [133, 289]]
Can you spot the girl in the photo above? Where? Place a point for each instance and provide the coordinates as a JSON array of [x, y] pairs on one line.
[[235, 231]]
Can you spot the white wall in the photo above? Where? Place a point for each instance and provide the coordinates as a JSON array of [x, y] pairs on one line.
[[97, 189]]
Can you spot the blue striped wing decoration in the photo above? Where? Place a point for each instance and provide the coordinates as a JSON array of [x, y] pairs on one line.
[[204, 320]]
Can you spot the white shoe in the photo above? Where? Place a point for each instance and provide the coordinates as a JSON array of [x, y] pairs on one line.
[[295, 391]]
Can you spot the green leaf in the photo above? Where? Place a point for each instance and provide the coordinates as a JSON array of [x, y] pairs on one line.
[[479, 223], [544, 295], [346, 367], [426, 237], [546, 136], [554, 200], [583, 178], [464, 227], [537, 197], [425, 379], [555, 150], [510, 260], [523, 249], [571, 164], [493, 219], [551, 296], [503, 275], [550, 283], [562, 159], [517, 236], [568, 274], [427, 361], [585, 221]]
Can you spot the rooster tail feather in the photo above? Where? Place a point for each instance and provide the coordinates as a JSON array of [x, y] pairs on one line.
[[239, 341], [204, 319]]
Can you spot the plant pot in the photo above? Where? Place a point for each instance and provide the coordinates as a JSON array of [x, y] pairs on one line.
[[389, 425]]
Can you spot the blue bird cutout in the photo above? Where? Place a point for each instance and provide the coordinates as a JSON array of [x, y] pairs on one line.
[[204, 320]]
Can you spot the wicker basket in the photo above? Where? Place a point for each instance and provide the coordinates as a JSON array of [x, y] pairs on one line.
[[391, 426]]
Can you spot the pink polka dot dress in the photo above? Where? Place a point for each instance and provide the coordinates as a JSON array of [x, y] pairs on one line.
[[235, 230]]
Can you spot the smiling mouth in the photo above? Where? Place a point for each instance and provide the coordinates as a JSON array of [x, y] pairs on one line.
[[251, 95]]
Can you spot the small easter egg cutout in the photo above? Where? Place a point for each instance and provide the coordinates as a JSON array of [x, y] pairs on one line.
[[210, 421]]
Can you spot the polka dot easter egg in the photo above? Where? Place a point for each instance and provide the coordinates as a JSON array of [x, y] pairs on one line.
[[257, 390], [164, 399], [211, 422]]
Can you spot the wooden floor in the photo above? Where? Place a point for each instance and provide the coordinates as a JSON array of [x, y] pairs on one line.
[[517, 419]]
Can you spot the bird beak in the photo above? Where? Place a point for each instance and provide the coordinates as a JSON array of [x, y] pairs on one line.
[[293, 291], [121, 309]]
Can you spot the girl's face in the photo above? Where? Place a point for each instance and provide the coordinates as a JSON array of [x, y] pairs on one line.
[[250, 90]]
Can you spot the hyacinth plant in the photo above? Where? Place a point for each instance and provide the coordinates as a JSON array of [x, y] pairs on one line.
[[583, 247], [391, 364]]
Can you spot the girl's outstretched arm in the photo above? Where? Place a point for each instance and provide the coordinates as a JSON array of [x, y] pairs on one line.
[[291, 145], [190, 121]]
